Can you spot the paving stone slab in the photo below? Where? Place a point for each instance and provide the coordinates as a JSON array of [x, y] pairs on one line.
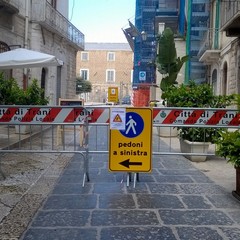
[[75, 165], [224, 201], [60, 234], [137, 233], [72, 188], [174, 179], [198, 233], [190, 172], [83, 201], [102, 177], [164, 188], [232, 233], [235, 215], [65, 218], [170, 162], [201, 179], [158, 201], [74, 171], [195, 217], [123, 217], [66, 178], [196, 202], [139, 188], [116, 201], [203, 188], [108, 188]]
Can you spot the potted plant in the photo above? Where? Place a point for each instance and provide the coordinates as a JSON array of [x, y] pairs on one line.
[[169, 65], [193, 139], [167, 62], [228, 146], [12, 94]]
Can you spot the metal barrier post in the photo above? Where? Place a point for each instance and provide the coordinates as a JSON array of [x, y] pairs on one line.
[[85, 145]]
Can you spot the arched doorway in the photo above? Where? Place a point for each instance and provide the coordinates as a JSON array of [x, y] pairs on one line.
[[224, 79]]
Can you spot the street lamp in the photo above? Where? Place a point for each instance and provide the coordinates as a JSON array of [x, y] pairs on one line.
[[144, 35]]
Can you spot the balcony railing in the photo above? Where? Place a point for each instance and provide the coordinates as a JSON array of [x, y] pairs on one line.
[[209, 48], [44, 14], [230, 11], [206, 42]]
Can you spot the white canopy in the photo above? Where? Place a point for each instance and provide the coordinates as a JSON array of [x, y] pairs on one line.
[[24, 58]]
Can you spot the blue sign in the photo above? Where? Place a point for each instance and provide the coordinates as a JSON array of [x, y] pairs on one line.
[[142, 76], [134, 125]]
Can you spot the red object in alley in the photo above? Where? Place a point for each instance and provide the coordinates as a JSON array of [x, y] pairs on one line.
[[141, 96]]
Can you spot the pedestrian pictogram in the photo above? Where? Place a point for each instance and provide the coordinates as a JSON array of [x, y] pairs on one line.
[[131, 125], [131, 148], [134, 125]]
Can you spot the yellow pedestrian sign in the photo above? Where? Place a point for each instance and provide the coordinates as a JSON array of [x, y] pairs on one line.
[[130, 148]]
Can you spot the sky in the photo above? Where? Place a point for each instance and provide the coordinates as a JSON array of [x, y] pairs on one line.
[[102, 20]]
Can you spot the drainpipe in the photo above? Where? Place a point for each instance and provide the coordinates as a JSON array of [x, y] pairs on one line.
[[216, 30], [25, 77], [188, 42]]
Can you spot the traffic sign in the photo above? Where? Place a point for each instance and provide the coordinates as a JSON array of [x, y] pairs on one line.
[[142, 76], [130, 149], [113, 94]]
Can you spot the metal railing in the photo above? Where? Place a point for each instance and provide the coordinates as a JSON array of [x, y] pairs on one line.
[[85, 130], [46, 15], [21, 135]]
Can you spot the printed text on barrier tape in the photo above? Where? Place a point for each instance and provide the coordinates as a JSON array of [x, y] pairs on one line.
[[194, 117], [52, 115]]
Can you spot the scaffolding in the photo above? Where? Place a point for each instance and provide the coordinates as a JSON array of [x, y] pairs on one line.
[[197, 19]]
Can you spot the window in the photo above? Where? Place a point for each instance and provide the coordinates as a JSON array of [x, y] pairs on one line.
[[84, 56], [214, 81], [198, 7], [110, 75], [84, 74], [111, 56]]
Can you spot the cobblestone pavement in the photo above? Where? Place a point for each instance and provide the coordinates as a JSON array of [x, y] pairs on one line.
[[28, 180], [175, 201]]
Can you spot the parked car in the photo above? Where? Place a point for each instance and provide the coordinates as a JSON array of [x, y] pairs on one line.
[[126, 99]]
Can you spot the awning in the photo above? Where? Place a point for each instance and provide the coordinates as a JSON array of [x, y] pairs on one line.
[[24, 58]]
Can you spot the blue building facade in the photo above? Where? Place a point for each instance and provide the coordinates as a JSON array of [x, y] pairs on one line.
[[197, 19], [144, 43], [187, 18]]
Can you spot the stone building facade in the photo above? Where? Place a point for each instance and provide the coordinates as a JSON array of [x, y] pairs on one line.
[[42, 26], [221, 47], [106, 65]]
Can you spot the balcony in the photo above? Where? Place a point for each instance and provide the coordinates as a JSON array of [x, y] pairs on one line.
[[48, 17], [208, 52], [9, 6], [230, 18]]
